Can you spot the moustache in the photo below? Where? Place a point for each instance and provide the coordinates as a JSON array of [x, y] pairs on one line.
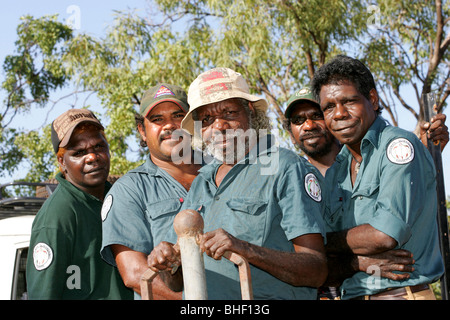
[[218, 137], [314, 134], [166, 135]]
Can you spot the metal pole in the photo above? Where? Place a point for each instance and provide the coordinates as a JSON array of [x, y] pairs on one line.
[[435, 150]]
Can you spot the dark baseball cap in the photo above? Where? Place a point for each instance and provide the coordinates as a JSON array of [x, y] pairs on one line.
[[303, 94], [63, 126], [163, 92]]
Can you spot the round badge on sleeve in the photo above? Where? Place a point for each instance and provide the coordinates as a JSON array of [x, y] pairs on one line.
[[312, 187], [400, 151], [107, 203], [42, 256]]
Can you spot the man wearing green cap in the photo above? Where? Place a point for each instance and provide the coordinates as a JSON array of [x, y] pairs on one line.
[[139, 209], [304, 122], [306, 126]]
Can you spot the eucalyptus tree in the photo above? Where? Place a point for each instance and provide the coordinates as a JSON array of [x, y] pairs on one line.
[[276, 44]]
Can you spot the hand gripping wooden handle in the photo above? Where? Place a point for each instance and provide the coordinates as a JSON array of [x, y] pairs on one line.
[[244, 277], [188, 224]]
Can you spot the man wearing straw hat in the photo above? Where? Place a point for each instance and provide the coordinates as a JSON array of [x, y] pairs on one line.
[[250, 197]]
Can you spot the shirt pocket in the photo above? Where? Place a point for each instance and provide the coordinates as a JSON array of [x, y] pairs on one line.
[[160, 217], [248, 219], [365, 203]]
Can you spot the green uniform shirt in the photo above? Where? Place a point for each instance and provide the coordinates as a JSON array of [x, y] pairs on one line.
[[267, 199], [64, 259], [394, 192]]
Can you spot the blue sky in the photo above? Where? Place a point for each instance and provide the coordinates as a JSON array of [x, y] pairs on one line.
[[90, 16], [94, 16]]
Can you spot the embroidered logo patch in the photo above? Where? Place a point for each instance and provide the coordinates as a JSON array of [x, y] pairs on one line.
[[400, 151], [302, 92], [107, 203], [312, 187], [163, 91], [213, 75], [42, 256]]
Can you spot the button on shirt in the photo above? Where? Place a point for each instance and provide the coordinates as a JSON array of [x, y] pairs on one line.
[[394, 192], [139, 209], [267, 199]]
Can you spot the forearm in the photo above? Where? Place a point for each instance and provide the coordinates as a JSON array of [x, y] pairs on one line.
[[339, 268], [160, 289], [305, 267], [296, 268], [164, 258], [392, 264], [173, 281], [362, 240], [132, 265]]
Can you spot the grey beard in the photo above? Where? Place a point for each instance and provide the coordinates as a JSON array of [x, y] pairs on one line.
[[240, 146]]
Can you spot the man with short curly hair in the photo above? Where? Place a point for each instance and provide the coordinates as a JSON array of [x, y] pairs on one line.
[[382, 188]]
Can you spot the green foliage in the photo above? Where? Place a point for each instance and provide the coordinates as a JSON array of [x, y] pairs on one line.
[[31, 74], [40, 151], [409, 48], [10, 154], [131, 57], [276, 45], [36, 69]]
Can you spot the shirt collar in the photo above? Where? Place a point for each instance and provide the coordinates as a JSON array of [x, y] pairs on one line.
[[373, 134], [66, 184], [147, 167]]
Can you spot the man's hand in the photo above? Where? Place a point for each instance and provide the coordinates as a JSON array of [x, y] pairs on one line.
[[164, 257], [387, 262], [437, 131], [216, 243], [304, 267]]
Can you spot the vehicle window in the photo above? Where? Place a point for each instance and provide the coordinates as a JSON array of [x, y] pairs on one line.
[[19, 289]]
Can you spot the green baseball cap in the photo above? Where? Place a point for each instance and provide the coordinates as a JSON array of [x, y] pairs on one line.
[[163, 92], [303, 94]]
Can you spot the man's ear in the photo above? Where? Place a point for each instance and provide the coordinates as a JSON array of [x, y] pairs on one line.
[[374, 99], [294, 141], [251, 108], [141, 130], [62, 166]]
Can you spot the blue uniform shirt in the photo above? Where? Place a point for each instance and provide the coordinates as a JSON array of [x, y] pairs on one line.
[[268, 198], [139, 209], [394, 192]]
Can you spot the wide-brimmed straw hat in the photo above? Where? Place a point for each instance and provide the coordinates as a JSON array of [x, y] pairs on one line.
[[217, 85]]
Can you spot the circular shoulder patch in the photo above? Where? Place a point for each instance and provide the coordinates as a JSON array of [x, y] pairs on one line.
[[107, 203], [400, 151], [42, 256], [312, 187]]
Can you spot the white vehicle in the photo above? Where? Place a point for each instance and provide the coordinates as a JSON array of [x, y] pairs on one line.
[[16, 217]]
